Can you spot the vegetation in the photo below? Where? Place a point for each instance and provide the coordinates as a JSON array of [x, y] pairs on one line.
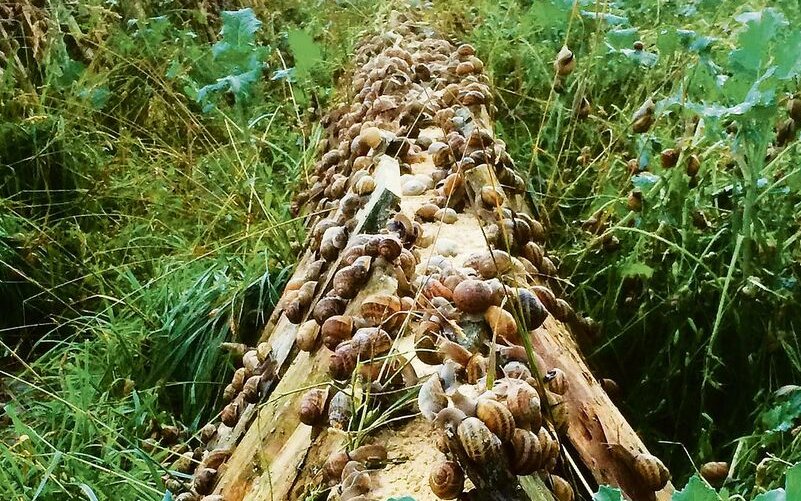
[[147, 154]]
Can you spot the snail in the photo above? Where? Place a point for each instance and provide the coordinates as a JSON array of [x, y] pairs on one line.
[[425, 342], [546, 297], [434, 288], [693, 165], [523, 402], [239, 379], [478, 442], [336, 329], [369, 342], [550, 447], [427, 212], [431, 399], [476, 368], [565, 62], [413, 187], [563, 311], [207, 433], [502, 323], [525, 452], [313, 406], [490, 264], [203, 481], [715, 472], [473, 296], [669, 157], [532, 312], [342, 361], [251, 363], [491, 197], [215, 458], [446, 480], [643, 117], [230, 413], [334, 466], [446, 215], [390, 247], [370, 454], [327, 307], [650, 470], [379, 307], [556, 381], [516, 370], [250, 391], [334, 239], [365, 185], [497, 417], [306, 336], [350, 468], [348, 280], [561, 488]]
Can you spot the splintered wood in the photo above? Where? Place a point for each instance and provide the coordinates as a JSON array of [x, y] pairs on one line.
[[421, 348]]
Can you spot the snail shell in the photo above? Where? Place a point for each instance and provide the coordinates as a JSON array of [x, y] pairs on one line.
[[446, 480], [490, 264], [370, 342], [250, 391], [497, 417], [526, 452], [561, 488], [334, 240], [306, 337], [652, 472], [336, 329], [427, 212], [565, 62], [431, 398], [350, 468], [203, 481], [516, 370], [229, 392], [715, 472], [550, 447], [425, 343], [564, 312], [207, 433], [502, 323], [476, 368], [523, 402], [454, 351], [472, 296], [464, 403], [434, 288], [342, 361], [534, 253], [491, 197], [479, 443], [532, 312], [230, 413], [371, 136], [357, 482], [380, 307], [313, 406], [365, 185], [250, 362], [446, 215], [390, 247], [334, 465], [546, 297], [239, 379], [556, 381], [348, 280], [327, 307], [413, 187]]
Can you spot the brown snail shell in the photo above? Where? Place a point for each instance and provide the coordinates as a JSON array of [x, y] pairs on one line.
[[497, 417], [534, 253], [516, 370], [425, 342], [524, 404], [550, 447], [378, 308], [336, 329], [462, 402], [204, 479], [371, 136], [563, 312], [355, 484], [434, 288], [334, 465], [478, 442], [556, 381], [651, 471], [526, 452], [350, 468], [476, 368], [370, 342], [446, 215], [454, 351], [715, 472], [327, 307], [490, 264], [334, 240], [502, 323], [546, 297], [343, 361], [313, 406], [250, 362], [473, 296], [491, 197], [447, 480], [561, 488], [565, 62], [229, 392], [306, 337], [364, 186], [348, 280], [427, 212], [239, 379], [431, 399], [230, 413], [250, 392], [390, 247], [207, 433]]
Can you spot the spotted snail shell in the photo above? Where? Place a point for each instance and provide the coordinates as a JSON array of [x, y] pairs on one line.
[[447, 480], [524, 404], [526, 452], [497, 417], [479, 443]]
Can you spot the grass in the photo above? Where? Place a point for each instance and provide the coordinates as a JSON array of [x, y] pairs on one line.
[[143, 221]]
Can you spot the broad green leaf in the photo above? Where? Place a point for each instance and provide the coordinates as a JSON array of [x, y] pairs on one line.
[[774, 495], [606, 493], [238, 30], [754, 41], [641, 57], [788, 56], [621, 38], [696, 490], [611, 19], [784, 414], [793, 482]]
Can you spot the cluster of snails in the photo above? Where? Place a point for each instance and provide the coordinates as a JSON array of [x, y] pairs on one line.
[[504, 425], [347, 473]]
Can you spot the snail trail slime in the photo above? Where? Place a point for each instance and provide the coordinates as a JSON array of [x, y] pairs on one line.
[[422, 347]]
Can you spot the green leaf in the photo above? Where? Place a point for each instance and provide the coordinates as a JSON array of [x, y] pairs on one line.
[[774, 495], [782, 416], [696, 490], [637, 270], [754, 42], [788, 56], [239, 29], [606, 493], [793, 482]]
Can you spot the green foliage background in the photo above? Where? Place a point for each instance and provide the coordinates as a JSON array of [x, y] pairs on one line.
[[147, 153]]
